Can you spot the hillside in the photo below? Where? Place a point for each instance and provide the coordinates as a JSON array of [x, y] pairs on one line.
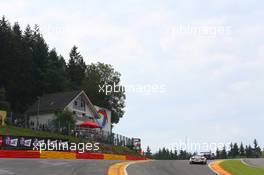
[[105, 148]]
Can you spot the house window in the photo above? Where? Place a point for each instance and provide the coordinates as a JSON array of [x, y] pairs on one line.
[[75, 103]]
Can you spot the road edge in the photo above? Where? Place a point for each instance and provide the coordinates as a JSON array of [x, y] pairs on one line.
[[247, 164], [121, 167], [216, 168]]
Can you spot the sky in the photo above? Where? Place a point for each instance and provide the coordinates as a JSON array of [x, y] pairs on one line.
[[200, 63]]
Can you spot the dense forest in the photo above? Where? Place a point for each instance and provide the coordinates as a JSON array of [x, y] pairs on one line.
[[234, 150], [29, 69]]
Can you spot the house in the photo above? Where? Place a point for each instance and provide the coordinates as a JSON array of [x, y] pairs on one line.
[[42, 112]]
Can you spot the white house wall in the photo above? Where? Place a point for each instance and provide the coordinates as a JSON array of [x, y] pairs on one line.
[[79, 111]]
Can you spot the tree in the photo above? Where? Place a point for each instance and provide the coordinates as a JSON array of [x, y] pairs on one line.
[[241, 150], [231, 151], [223, 153], [16, 67], [249, 151], [218, 156], [64, 121], [40, 52], [76, 68], [175, 154], [29, 69], [103, 75], [55, 77], [2, 94], [257, 149], [148, 152], [235, 150], [4, 105]]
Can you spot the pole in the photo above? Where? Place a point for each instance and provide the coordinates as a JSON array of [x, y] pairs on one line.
[[38, 112]]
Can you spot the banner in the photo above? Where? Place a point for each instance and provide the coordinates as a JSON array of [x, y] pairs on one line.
[[103, 118], [27, 143], [137, 144]]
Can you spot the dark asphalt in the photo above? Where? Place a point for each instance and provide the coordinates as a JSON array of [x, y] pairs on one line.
[[53, 167], [168, 167], [255, 162]]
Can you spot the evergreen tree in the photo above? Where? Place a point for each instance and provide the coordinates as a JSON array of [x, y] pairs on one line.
[[235, 150], [257, 149], [29, 69], [241, 150], [249, 151], [4, 105], [223, 153], [175, 154], [231, 151], [76, 68], [218, 154], [55, 76]]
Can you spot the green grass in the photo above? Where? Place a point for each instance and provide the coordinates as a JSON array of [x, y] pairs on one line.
[[236, 167], [16, 131], [106, 148]]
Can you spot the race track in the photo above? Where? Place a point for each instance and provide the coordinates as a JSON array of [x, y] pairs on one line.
[[168, 167], [53, 167], [255, 162]]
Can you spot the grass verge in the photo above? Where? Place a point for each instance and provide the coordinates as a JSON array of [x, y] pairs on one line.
[[105, 148], [236, 167], [16, 131]]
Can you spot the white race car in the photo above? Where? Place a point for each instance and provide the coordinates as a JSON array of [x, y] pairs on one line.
[[198, 159]]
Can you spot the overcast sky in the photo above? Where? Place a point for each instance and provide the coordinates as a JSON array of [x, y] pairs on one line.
[[208, 57]]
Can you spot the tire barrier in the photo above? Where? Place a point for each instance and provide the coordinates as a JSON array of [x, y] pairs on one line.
[[64, 155]]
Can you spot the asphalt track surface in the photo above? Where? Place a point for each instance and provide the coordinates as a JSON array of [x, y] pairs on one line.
[[169, 167], [255, 162], [53, 167]]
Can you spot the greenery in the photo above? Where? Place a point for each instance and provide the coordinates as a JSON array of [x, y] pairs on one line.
[[64, 122], [236, 167], [106, 148], [29, 69], [166, 154], [98, 75], [17, 131], [4, 105], [236, 151]]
